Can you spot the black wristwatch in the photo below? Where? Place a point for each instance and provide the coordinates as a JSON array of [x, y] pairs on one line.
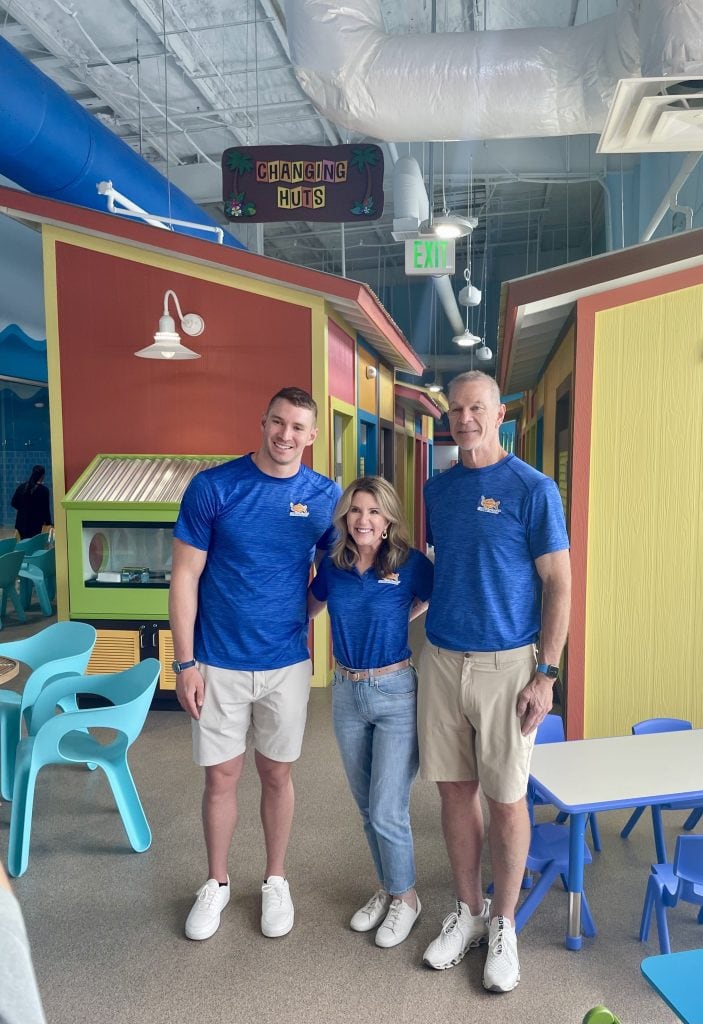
[[181, 666], [550, 671]]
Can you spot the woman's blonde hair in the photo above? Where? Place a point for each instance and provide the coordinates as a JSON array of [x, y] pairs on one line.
[[394, 548]]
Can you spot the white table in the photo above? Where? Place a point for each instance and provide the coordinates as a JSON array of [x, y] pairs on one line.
[[579, 776]]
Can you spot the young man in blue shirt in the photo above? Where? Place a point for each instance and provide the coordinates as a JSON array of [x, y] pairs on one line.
[[496, 629], [243, 545]]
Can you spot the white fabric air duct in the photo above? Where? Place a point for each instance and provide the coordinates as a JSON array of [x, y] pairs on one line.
[[515, 83]]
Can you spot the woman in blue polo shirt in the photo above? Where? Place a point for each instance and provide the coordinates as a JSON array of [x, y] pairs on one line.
[[373, 583]]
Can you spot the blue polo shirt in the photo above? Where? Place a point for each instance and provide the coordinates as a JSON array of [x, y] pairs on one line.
[[260, 533], [488, 526], [369, 615]]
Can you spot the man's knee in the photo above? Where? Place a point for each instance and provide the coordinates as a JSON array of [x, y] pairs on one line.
[[452, 793], [223, 778], [507, 813], [273, 774]]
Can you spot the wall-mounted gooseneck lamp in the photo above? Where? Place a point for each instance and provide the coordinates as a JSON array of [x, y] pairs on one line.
[[167, 340]]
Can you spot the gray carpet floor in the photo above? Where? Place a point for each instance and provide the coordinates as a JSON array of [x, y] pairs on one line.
[[106, 924]]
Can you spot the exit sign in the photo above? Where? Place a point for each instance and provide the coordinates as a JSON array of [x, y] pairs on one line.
[[429, 256]]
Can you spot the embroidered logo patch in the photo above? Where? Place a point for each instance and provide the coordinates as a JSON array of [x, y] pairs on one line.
[[391, 577], [298, 509], [489, 505]]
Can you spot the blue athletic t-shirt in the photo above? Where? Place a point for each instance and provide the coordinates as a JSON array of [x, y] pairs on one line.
[[260, 533], [488, 526], [369, 615]]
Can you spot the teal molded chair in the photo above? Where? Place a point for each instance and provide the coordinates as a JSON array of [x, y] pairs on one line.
[[9, 568], [39, 572], [7, 544], [669, 883], [65, 738], [31, 544], [60, 648]]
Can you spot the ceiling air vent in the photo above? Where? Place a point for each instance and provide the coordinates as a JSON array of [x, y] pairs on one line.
[[654, 115]]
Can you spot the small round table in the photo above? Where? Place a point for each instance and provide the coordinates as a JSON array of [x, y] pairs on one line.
[[8, 669]]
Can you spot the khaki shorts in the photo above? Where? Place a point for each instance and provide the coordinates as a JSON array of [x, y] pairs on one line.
[[274, 703], [467, 724]]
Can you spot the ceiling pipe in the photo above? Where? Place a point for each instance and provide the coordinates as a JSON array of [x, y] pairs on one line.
[[459, 85]]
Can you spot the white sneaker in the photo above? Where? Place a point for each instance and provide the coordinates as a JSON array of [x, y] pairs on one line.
[[460, 931], [502, 970], [277, 911], [398, 923], [372, 912], [204, 918]]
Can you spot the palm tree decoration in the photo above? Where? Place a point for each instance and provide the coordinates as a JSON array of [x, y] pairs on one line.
[[236, 205], [362, 158]]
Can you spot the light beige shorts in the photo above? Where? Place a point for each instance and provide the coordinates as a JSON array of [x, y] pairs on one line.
[[467, 724], [274, 703]]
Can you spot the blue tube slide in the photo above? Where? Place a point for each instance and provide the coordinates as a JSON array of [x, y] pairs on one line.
[[51, 146]]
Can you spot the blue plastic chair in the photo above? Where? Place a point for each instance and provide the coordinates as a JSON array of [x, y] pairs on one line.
[[7, 544], [31, 544], [551, 730], [548, 857], [39, 572], [65, 738], [9, 568], [60, 648], [669, 883], [650, 725]]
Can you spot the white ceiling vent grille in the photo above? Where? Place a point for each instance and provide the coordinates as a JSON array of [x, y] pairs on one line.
[[655, 115]]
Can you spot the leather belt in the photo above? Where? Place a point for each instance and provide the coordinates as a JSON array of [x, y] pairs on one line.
[[360, 674]]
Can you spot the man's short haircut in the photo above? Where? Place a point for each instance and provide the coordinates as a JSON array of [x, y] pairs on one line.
[[296, 396], [478, 377]]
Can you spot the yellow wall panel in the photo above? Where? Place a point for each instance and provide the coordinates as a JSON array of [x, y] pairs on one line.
[[645, 553], [366, 387], [386, 396]]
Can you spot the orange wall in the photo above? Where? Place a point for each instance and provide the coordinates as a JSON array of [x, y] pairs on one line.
[[108, 307]]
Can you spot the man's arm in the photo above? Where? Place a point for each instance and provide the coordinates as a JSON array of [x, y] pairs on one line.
[[186, 570], [535, 701]]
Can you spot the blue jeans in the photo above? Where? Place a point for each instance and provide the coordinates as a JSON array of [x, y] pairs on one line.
[[375, 725]]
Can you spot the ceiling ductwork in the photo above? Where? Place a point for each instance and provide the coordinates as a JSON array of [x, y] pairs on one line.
[[519, 83]]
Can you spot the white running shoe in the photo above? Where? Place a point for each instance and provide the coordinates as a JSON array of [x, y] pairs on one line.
[[502, 970], [460, 931], [372, 912], [204, 918], [277, 913]]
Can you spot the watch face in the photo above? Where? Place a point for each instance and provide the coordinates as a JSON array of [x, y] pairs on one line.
[[176, 666], [552, 671]]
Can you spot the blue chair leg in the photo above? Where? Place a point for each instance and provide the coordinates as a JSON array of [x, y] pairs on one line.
[[632, 821], [561, 817], [21, 813], [659, 840], [128, 804], [662, 926], [15, 598], [9, 739], [693, 819], [595, 832], [43, 597], [535, 896], [587, 923], [647, 909], [700, 916]]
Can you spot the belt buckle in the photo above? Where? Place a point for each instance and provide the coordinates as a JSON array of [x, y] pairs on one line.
[[355, 677]]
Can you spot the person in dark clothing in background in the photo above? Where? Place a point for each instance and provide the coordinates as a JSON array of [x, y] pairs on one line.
[[31, 499]]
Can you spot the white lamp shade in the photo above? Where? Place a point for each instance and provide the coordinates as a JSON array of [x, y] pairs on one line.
[[466, 340]]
